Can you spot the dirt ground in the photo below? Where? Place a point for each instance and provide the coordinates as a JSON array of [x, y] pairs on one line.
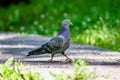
[[16, 45]]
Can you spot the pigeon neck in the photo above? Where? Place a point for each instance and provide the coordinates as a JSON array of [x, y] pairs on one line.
[[65, 27], [65, 32]]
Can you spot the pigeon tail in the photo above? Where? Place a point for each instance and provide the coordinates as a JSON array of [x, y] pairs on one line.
[[37, 52]]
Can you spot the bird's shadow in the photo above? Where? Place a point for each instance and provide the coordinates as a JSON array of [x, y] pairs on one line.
[[48, 64]]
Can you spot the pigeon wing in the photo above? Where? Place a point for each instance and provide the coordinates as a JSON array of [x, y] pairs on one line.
[[54, 44]]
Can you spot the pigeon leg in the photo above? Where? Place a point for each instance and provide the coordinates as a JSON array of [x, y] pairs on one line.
[[51, 60], [68, 59]]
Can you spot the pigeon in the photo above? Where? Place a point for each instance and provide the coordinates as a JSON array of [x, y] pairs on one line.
[[58, 44]]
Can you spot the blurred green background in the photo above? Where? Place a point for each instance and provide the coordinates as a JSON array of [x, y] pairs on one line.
[[96, 22]]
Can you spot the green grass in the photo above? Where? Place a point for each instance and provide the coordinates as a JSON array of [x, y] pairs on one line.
[[81, 72], [16, 71], [95, 22]]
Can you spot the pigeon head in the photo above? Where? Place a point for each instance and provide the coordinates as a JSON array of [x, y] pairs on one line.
[[66, 23], [65, 31]]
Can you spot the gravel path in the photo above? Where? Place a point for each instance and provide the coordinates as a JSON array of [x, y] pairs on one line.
[[16, 45]]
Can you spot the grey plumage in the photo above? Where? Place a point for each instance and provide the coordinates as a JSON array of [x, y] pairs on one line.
[[57, 44]]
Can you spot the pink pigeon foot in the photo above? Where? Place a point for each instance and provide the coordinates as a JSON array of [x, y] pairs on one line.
[[68, 59], [51, 60]]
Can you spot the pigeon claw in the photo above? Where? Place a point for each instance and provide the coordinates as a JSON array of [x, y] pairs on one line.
[[51, 60]]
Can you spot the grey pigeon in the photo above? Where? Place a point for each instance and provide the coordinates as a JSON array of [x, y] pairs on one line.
[[57, 44]]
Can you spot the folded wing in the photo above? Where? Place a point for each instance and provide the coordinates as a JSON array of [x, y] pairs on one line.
[[55, 44]]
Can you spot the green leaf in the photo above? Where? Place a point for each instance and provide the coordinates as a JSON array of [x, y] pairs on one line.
[[9, 62]]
